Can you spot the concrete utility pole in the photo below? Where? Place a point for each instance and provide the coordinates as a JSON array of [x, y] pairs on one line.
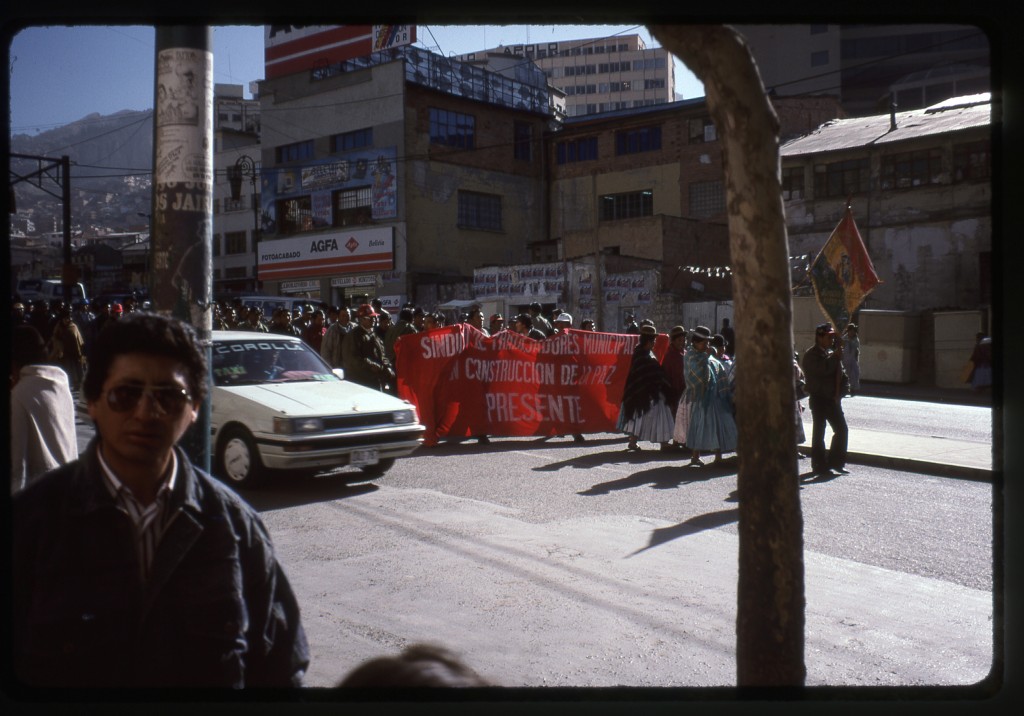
[[181, 280], [770, 610]]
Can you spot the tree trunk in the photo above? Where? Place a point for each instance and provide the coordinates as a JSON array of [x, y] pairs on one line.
[[770, 615]]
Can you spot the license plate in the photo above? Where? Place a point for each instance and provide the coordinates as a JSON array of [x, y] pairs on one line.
[[364, 457]]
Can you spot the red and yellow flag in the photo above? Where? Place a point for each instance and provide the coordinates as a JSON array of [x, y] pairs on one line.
[[842, 274]]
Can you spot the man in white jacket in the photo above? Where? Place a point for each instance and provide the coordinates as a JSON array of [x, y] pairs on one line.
[[43, 434]]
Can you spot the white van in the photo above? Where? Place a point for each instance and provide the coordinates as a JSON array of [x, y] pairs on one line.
[[48, 289]]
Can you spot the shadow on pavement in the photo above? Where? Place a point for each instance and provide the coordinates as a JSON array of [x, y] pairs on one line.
[[471, 446], [661, 478], [615, 457], [283, 493], [709, 521]]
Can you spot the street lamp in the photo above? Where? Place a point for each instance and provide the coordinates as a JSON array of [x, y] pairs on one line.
[[245, 166]]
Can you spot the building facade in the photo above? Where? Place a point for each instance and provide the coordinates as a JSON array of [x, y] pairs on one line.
[[869, 66], [395, 175], [235, 220], [599, 74], [919, 183]]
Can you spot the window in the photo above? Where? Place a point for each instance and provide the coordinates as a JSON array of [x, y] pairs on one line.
[[819, 58], [654, 84], [702, 130], [707, 198], [353, 206], [294, 152], [972, 162], [841, 178], [233, 205], [910, 169], [626, 206], [577, 150], [522, 148], [295, 215], [793, 183], [479, 211], [452, 129], [216, 244], [234, 242], [642, 139], [347, 141]]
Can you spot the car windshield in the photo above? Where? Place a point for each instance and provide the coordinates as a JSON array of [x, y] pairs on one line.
[[267, 361]]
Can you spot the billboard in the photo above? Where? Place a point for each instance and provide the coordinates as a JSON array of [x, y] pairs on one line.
[[288, 49], [324, 254]]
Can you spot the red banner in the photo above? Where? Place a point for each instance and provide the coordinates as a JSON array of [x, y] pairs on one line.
[[464, 383]]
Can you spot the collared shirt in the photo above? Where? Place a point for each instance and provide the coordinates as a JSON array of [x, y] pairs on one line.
[[149, 521]]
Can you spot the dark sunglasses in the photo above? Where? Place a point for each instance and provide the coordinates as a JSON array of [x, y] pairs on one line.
[[170, 399]]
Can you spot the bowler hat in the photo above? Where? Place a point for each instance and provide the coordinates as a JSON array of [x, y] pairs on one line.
[[646, 330], [700, 333], [824, 329], [677, 331]]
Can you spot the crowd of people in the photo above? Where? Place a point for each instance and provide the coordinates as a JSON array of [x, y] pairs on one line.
[[132, 507]]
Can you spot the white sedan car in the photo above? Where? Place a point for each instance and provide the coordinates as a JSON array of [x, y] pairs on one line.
[[277, 405]]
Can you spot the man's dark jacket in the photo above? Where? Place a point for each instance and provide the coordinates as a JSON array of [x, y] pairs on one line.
[[217, 610], [820, 368]]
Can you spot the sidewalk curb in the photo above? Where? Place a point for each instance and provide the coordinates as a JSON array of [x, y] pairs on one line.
[[960, 472]]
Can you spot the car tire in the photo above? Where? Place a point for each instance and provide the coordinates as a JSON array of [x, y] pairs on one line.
[[238, 460], [380, 468]]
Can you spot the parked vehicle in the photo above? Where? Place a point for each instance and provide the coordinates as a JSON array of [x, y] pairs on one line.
[[48, 289], [269, 303], [277, 405]]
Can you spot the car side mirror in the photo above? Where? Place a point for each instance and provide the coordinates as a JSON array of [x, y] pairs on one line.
[[339, 372]]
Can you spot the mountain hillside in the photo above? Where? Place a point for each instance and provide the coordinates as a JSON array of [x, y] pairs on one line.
[[111, 166]]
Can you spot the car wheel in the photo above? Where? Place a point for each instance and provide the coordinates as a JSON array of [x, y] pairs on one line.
[[379, 469], [238, 460]]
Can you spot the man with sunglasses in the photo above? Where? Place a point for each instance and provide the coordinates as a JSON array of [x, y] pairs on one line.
[[132, 567]]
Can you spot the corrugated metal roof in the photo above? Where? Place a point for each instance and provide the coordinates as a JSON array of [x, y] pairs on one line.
[[949, 116]]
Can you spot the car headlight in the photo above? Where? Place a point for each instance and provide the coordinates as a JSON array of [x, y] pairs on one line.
[[404, 417], [287, 426]]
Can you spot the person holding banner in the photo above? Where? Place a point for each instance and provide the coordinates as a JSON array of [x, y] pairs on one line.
[[712, 427], [363, 354], [826, 382], [646, 412]]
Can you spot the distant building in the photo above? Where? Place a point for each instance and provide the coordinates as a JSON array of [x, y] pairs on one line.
[[235, 221], [921, 192], [599, 74], [871, 65]]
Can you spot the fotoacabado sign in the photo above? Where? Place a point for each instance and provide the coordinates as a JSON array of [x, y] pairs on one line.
[[324, 254]]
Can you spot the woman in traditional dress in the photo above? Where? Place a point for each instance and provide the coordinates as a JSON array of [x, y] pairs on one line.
[[712, 426], [646, 412]]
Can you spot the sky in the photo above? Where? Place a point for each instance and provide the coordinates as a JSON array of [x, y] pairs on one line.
[[59, 75]]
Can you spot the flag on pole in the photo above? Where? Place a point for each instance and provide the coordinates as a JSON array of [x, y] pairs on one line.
[[842, 274]]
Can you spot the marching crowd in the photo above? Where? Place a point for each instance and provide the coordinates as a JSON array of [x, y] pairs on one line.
[[684, 402], [132, 508]]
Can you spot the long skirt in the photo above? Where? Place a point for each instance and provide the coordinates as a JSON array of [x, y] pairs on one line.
[[682, 421], [852, 366], [712, 427], [654, 424], [801, 435]]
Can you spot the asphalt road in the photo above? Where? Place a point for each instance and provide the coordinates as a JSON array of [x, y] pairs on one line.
[[554, 563], [558, 564]]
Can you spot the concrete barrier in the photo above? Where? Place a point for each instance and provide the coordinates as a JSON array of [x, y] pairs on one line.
[[955, 333]]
